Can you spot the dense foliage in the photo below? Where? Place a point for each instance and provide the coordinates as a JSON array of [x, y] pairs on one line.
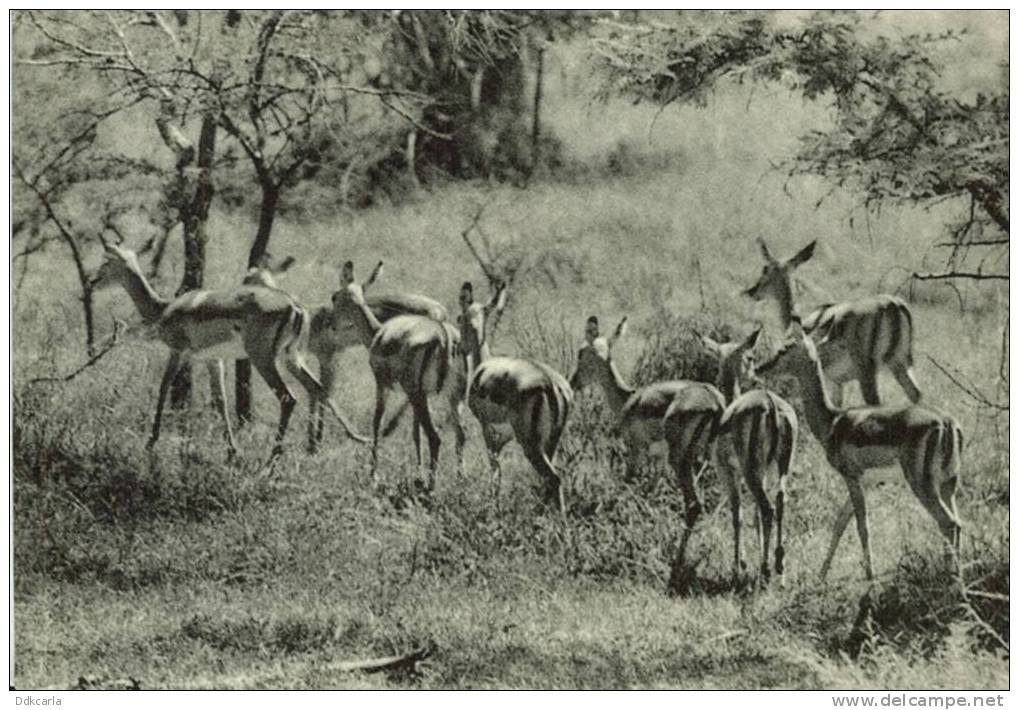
[[898, 135]]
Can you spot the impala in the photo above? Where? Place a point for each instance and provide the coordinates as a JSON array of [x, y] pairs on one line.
[[416, 352], [696, 410], [854, 338], [757, 431], [326, 341], [513, 397], [261, 324], [926, 444]]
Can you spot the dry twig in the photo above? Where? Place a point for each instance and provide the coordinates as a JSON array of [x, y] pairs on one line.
[[118, 328]]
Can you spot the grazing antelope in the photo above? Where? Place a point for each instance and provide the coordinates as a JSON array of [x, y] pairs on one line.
[[696, 408], [416, 352], [926, 444], [854, 338], [757, 430], [261, 324], [513, 397], [326, 342]]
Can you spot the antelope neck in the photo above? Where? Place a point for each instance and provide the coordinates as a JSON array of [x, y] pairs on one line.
[[729, 384], [149, 303], [615, 388], [816, 404], [368, 324], [783, 293], [482, 353]]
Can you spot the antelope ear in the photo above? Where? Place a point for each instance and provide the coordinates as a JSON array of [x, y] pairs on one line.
[[376, 272], [285, 265], [764, 251], [619, 332], [347, 273], [498, 302], [802, 255]]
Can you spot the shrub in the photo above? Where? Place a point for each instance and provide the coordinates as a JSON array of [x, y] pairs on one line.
[[673, 350]]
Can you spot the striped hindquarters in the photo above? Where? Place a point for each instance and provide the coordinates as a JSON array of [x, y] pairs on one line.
[[535, 398], [877, 329], [938, 451], [545, 414], [415, 351], [692, 421], [762, 426]]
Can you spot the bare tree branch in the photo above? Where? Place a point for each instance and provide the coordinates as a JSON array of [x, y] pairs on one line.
[[969, 389], [959, 275]]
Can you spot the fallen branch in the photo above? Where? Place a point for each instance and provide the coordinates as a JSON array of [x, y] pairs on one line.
[[968, 607], [406, 663]]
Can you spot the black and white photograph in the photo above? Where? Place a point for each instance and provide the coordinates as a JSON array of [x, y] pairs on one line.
[[510, 349]]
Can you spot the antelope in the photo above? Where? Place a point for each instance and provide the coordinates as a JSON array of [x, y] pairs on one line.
[[261, 324], [416, 352], [696, 408], [757, 430], [926, 444], [513, 397], [326, 342], [854, 338]]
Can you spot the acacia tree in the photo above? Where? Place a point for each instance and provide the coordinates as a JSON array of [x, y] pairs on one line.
[[273, 81], [110, 63], [304, 78], [441, 75], [898, 136], [76, 183], [287, 86]]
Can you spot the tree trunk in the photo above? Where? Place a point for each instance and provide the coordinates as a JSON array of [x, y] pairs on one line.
[[86, 285], [539, 74], [86, 305], [194, 214], [266, 217]]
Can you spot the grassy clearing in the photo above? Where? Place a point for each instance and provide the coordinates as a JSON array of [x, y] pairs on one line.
[[184, 572]]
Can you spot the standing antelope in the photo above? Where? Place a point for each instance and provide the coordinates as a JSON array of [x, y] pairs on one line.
[[416, 352], [757, 430], [854, 338], [926, 444], [262, 324], [326, 341], [696, 408], [513, 397]]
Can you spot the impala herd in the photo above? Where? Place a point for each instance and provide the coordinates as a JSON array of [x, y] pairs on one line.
[[414, 344]]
